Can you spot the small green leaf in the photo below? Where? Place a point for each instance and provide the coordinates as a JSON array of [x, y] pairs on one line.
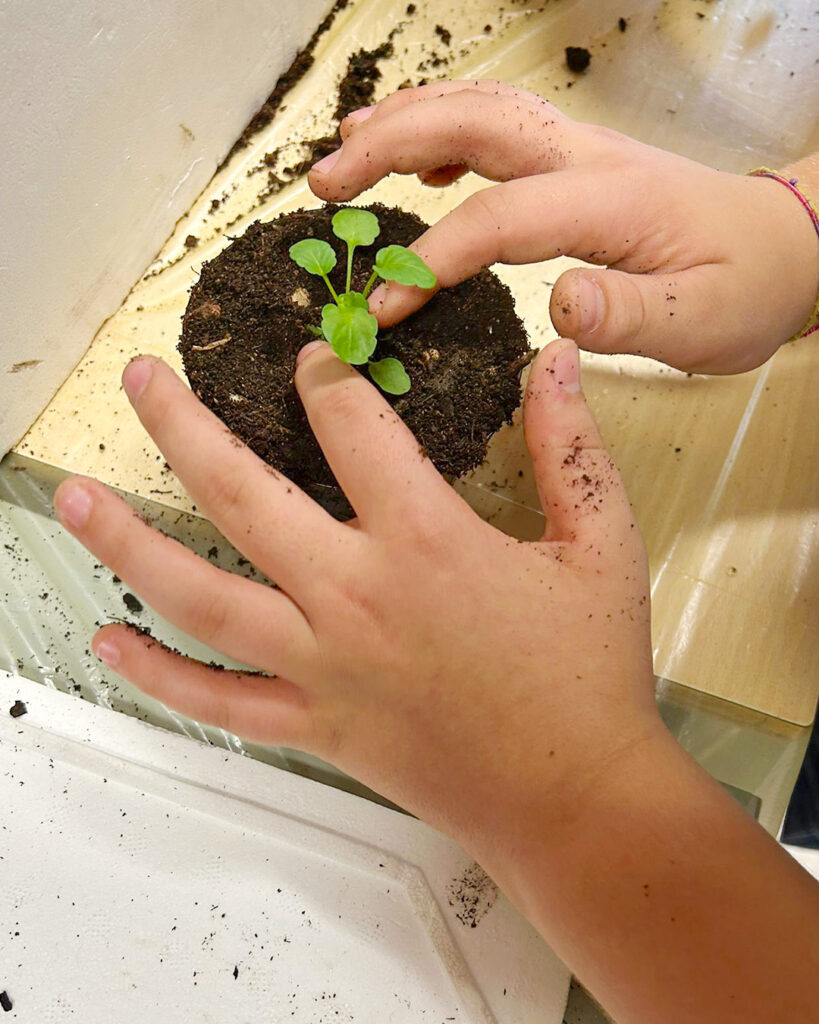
[[356, 227], [395, 263], [314, 256], [390, 375], [352, 300], [351, 330]]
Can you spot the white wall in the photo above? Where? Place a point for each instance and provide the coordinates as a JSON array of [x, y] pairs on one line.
[[114, 116]]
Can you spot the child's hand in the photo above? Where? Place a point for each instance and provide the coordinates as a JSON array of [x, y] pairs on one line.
[[420, 649], [500, 690], [709, 271]]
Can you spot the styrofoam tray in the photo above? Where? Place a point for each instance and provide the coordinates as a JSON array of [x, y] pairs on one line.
[[149, 877]]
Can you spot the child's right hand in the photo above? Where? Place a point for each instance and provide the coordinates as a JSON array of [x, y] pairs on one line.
[[709, 271]]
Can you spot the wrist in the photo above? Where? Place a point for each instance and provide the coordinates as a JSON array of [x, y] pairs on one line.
[[660, 875], [568, 796], [619, 813], [790, 200]]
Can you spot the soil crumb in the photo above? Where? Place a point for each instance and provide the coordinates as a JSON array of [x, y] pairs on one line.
[[444, 34], [132, 603], [578, 58]]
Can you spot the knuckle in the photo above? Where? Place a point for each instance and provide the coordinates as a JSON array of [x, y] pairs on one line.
[[115, 544], [361, 606], [470, 98], [356, 599], [157, 409], [630, 304], [225, 492], [590, 485], [346, 127], [222, 713], [341, 402], [209, 616], [484, 211], [121, 538], [432, 541]]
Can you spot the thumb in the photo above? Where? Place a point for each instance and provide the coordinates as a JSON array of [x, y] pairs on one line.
[[687, 319], [580, 490]]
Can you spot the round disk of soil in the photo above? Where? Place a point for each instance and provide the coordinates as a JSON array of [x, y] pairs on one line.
[[248, 316]]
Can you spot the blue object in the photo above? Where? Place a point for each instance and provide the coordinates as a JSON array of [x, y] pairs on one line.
[[801, 826]]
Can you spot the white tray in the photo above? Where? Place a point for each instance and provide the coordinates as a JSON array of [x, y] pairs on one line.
[[149, 877]]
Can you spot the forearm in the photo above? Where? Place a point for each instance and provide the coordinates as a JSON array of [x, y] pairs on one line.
[[670, 903]]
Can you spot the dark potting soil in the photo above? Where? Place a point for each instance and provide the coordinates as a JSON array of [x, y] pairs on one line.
[[357, 87], [248, 316], [355, 90], [298, 69], [578, 58]]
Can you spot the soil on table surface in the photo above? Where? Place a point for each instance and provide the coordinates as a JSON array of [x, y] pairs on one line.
[[248, 316], [302, 63]]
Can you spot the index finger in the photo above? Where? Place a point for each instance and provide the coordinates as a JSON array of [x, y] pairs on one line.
[[568, 213], [432, 90], [496, 135], [272, 522], [386, 475]]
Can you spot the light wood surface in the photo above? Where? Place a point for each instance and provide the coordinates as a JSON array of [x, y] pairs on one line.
[[719, 470]]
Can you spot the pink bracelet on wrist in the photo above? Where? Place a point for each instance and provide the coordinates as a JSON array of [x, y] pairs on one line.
[[790, 183]]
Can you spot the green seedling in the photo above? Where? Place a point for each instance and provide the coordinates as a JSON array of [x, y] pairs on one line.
[[346, 322]]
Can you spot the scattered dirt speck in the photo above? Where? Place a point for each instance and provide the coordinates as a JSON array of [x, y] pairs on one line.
[[132, 603], [472, 895], [578, 59]]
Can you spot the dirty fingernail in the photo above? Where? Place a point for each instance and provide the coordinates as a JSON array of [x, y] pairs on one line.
[[567, 369], [107, 652], [311, 346], [327, 163], [592, 305], [136, 376], [74, 506]]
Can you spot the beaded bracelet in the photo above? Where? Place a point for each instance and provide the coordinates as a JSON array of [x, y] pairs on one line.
[[790, 183]]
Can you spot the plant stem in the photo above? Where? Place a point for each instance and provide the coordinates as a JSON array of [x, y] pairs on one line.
[[369, 284], [350, 251], [332, 289]]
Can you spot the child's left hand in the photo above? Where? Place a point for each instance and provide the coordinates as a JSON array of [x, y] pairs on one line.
[[500, 690], [419, 648]]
